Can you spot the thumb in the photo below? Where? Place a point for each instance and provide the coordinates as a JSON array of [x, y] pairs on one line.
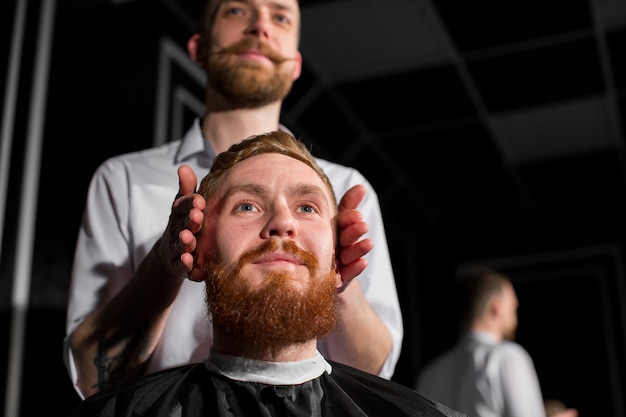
[[187, 181], [353, 197]]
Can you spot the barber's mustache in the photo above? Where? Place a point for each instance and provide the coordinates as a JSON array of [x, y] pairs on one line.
[[254, 44]]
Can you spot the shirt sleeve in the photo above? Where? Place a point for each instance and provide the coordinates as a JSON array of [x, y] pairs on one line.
[[377, 281], [102, 259]]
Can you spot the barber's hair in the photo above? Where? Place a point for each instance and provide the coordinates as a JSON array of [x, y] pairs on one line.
[[278, 141], [206, 15], [475, 287]]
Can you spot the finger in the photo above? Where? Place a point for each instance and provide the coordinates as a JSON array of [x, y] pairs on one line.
[[195, 219], [186, 260], [354, 253], [199, 202], [187, 181], [186, 246], [186, 241], [346, 217], [183, 205], [352, 233], [352, 198], [349, 272]]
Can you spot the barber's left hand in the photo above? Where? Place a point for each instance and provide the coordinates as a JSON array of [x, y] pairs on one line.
[[351, 227]]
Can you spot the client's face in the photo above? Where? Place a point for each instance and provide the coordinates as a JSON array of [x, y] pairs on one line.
[[269, 244]]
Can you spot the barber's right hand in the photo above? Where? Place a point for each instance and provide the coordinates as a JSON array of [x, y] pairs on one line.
[[177, 246], [352, 246]]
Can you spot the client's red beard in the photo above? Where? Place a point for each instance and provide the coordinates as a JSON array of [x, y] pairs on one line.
[[278, 313], [248, 84]]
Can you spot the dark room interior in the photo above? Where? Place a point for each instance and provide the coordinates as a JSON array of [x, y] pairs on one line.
[[492, 132]]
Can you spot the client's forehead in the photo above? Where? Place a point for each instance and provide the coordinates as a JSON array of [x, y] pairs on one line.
[[277, 173], [277, 166]]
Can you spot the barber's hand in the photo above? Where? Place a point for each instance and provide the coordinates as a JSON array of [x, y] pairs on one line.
[[351, 250], [177, 246]]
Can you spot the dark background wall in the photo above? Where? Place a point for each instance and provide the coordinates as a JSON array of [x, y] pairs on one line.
[[492, 132]]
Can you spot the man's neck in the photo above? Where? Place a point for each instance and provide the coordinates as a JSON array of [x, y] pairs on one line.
[[225, 344], [225, 128], [490, 328]]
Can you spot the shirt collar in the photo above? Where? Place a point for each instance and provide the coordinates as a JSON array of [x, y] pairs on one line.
[[484, 337], [194, 142], [274, 373]]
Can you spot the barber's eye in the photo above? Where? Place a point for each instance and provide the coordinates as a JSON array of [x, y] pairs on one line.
[[282, 19], [236, 11]]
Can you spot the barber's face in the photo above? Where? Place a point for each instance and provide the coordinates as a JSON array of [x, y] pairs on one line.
[[253, 52], [274, 22]]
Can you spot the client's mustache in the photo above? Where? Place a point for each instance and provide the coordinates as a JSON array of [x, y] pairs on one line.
[[254, 43], [272, 245]]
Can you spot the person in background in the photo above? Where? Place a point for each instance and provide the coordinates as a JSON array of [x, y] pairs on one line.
[[135, 304], [486, 374], [266, 250]]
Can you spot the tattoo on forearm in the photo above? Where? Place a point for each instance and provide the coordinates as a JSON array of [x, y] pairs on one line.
[[129, 362]]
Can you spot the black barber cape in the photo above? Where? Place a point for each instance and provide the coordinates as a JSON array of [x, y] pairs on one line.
[[204, 389]]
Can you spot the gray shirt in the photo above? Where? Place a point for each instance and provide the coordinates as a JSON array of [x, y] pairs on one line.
[[484, 377]]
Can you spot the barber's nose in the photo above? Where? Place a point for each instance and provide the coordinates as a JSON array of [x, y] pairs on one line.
[[280, 224], [259, 25]]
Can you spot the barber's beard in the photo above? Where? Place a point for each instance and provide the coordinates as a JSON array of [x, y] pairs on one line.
[[280, 311], [246, 83]]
